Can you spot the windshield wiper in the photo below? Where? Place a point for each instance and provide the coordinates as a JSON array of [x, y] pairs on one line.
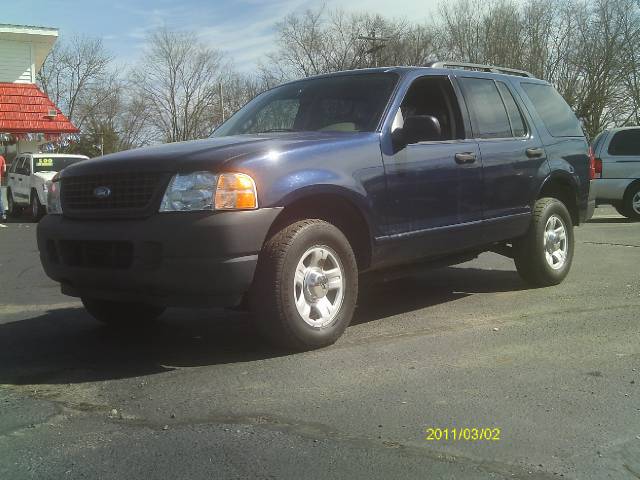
[[271, 130]]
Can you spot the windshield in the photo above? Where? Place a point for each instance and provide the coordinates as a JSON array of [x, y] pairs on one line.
[[53, 164], [346, 103]]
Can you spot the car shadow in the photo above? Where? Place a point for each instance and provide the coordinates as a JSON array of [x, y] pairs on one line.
[[612, 220], [65, 346]]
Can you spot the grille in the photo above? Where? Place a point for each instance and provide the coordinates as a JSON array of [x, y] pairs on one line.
[[96, 254], [128, 192]]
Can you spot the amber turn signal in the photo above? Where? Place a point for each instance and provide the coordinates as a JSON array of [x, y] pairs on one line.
[[235, 191]]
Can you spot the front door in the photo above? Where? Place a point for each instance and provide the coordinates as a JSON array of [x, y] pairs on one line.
[[434, 181], [20, 189]]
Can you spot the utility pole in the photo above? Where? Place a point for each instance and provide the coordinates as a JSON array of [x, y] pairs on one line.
[[377, 44], [220, 95]]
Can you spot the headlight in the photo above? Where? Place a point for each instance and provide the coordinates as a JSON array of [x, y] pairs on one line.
[[191, 191], [54, 207], [206, 191]]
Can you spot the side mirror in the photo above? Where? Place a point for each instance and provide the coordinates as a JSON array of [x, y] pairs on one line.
[[421, 128]]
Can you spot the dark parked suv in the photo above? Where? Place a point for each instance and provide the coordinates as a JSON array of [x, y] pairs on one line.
[[316, 181]]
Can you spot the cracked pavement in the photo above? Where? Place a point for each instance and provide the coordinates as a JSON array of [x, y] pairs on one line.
[[198, 396]]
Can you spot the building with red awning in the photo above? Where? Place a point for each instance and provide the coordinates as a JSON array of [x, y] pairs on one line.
[[28, 118]]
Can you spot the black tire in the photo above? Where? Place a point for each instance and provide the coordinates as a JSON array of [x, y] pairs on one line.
[[530, 253], [619, 209], [13, 209], [273, 295], [626, 208], [121, 314], [36, 210]]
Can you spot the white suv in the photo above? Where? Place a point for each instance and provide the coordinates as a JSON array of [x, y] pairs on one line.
[[28, 178], [617, 162]]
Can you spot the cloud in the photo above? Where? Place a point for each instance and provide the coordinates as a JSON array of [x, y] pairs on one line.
[[243, 29]]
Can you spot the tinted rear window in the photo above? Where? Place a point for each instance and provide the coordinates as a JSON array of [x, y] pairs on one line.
[[625, 142], [554, 111], [515, 117], [487, 109], [598, 140]]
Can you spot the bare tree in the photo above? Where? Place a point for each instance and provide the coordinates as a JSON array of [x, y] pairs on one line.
[[178, 79], [71, 73], [588, 49]]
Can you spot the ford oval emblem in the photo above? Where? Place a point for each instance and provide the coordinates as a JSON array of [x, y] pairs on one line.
[[102, 192]]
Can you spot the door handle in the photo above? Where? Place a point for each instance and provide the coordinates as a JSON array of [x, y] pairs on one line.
[[19, 179], [534, 152], [466, 157]]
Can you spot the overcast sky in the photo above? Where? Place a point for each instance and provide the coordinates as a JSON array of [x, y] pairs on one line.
[[244, 29]]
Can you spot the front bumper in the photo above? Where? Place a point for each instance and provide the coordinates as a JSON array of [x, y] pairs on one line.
[[168, 259]]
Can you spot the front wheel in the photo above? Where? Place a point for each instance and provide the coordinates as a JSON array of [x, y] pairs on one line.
[[12, 207], [543, 256], [121, 314], [306, 286], [37, 210]]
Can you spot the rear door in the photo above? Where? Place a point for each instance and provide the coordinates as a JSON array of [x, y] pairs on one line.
[[512, 155]]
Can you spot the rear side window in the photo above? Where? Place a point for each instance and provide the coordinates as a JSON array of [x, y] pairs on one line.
[[487, 110], [515, 116], [556, 115], [598, 141], [625, 142]]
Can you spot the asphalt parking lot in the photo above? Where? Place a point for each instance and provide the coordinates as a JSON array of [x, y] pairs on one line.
[[557, 370]]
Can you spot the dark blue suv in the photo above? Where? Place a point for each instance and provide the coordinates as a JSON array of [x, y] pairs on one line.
[[316, 181]]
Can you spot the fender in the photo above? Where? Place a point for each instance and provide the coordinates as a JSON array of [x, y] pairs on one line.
[[564, 177], [357, 199]]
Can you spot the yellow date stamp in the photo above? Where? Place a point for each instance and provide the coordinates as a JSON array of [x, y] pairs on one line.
[[462, 434]]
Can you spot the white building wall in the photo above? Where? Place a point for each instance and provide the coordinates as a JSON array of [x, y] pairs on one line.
[[16, 62]]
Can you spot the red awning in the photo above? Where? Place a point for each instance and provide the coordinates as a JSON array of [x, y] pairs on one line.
[[24, 108]]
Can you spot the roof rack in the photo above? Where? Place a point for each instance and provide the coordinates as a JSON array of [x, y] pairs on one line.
[[480, 68]]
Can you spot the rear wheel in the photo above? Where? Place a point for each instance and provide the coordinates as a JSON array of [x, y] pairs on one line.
[[543, 256], [619, 209], [121, 313], [306, 286], [630, 207]]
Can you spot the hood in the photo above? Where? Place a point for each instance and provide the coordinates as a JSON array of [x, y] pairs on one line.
[[46, 176], [207, 154]]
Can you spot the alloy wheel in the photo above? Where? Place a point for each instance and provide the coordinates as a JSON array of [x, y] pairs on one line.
[[318, 286]]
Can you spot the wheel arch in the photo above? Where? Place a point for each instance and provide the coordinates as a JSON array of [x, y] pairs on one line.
[[563, 187], [633, 184], [338, 206]]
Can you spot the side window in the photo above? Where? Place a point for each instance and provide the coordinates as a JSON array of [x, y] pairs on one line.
[[17, 165], [26, 166], [516, 120], [556, 115], [431, 111], [626, 142], [488, 113], [598, 141]]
